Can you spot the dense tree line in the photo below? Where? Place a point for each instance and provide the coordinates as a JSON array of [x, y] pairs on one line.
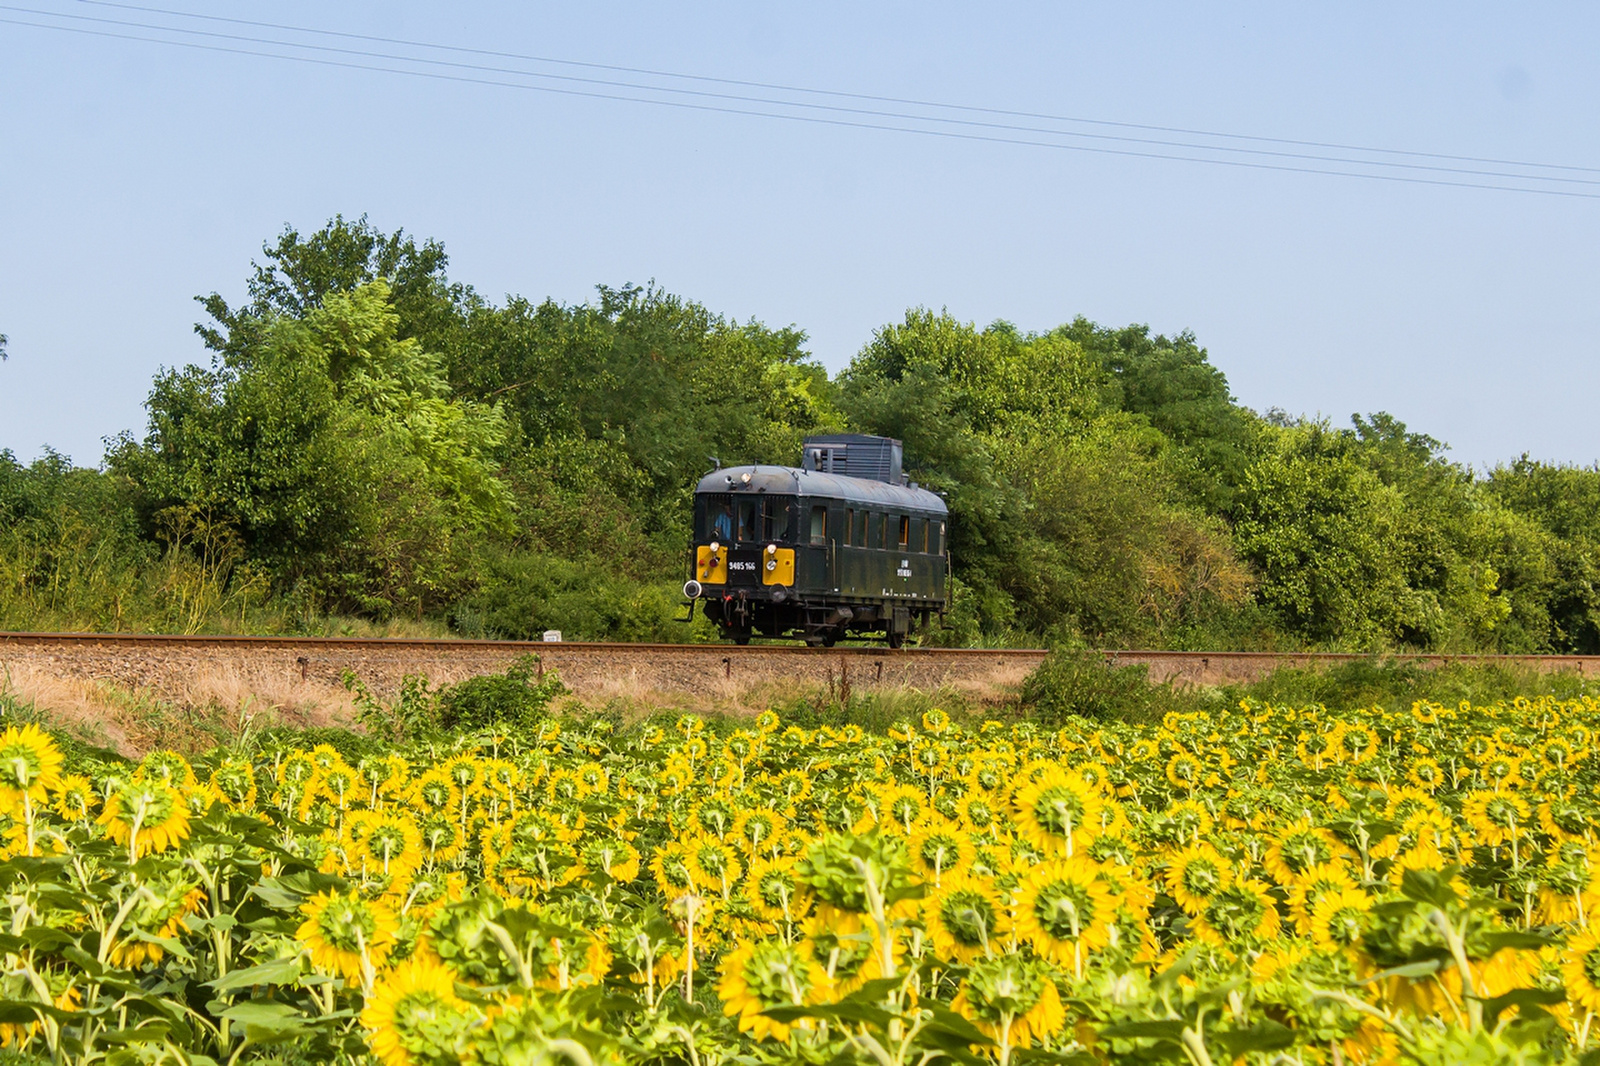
[[374, 441]]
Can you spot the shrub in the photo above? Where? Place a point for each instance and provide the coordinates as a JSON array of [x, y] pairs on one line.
[[513, 700], [1083, 684]]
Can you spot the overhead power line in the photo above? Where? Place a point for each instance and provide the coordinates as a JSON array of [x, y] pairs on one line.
[[806, 106], [493, 53], [934, 119]]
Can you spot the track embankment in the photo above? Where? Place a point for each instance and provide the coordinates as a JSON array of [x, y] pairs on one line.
[[196, 668], [300, 671]]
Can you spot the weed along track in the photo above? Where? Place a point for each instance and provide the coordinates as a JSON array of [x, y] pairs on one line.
[[289, 672]]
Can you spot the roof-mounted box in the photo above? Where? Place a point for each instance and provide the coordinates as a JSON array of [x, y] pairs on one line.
[[854, 455]]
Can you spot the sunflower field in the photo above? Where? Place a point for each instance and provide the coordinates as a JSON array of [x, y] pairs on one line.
[[1255, 885]]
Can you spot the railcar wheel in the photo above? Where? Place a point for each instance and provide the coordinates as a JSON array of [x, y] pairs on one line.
[[896, 639], [741, 639]]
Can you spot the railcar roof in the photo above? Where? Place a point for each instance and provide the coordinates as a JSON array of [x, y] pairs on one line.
[[792, 481]]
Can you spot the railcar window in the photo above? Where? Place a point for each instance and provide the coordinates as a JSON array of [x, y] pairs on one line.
[[861, 538], [775, 518], [719, 519], [819, 525], [849, 525], [905, 531], [919, 535], [745, 528], [939, 544]]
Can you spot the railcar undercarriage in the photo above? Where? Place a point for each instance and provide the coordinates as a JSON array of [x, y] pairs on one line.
[[740, 616]]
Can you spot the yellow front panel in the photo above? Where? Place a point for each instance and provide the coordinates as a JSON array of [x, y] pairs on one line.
[[777, 567], [711, 568]]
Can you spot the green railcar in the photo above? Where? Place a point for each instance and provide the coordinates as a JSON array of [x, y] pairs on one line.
[[840, 547]]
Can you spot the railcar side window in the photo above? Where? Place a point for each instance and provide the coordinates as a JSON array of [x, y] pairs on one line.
[[919, 535], [861, 537], [849, 525], [939, 544], [905, 531], [883, 530], [819, 525], [746, 525]]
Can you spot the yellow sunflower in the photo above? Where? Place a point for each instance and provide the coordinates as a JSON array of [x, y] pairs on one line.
[[235, 781], [1580, 970], [1241, 914], [759, 976], [1496, 817], [670, 868], [1064, 909], [940, 848], [845, 949], [772, 892], [1338, 918], [965, 919], [347, 935], [1058, 812], [1425, 773], [157, 914], [979, 812], [757, 826], [1012, 999], [1184, 771], [1298, 848], [30, 766], [76, 798], [713, 865], [1195, 875], [1310, 887], [415, 1003], [149, 815]]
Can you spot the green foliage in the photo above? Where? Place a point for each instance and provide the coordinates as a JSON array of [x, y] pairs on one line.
[[1171, 384], [1085, 684], [514, 700], [523, 594], [1067, 516], [1396, 683], [334, 448], [1563, 504]]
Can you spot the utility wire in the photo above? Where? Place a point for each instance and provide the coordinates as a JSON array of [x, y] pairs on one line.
[[808, 118], [804, 105], [836, 93]]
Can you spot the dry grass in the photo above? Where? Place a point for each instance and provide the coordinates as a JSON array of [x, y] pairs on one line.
[[215, 704]]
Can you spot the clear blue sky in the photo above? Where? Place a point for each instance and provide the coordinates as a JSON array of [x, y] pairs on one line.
[[134, 176]]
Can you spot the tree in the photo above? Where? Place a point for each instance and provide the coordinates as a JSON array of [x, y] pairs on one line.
[[1563, 503], [300, 273], [1369, 538], [335, 448], [1172, 384], [1066, 517]]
